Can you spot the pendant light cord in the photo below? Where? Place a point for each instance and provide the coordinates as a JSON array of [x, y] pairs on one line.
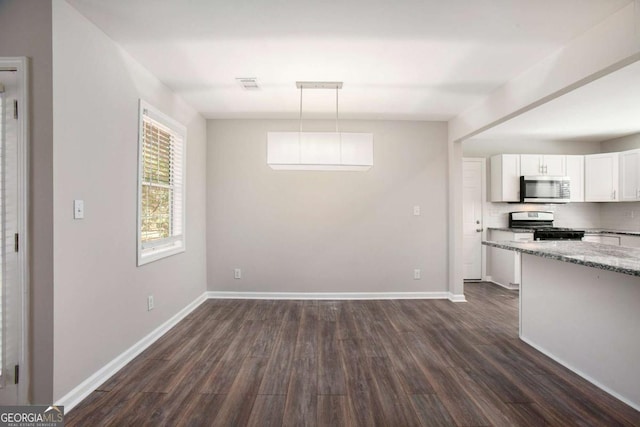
[[336, 109], [300, 109]]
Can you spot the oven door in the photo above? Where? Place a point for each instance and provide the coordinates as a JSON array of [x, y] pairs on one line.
[[544, 189]]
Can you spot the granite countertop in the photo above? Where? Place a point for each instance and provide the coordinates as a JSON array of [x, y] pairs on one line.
[[609, 231], [513, 230], [586, 230], [619, 259]]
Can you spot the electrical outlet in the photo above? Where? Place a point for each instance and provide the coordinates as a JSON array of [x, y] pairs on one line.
[[237, 273], [416, 210], [417, 274], [150, 303]]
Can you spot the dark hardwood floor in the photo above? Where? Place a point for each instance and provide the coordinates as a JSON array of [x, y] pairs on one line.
[[354, 363]]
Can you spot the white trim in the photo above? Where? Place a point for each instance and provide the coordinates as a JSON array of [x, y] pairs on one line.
[[456, 297], [327, 295], [21, 65], [582, 374], [147, 255], [483, 212], [510, 286], [82, 390]]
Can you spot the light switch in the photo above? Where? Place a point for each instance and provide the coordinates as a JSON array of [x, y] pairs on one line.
[[416, 210], [78, 209]]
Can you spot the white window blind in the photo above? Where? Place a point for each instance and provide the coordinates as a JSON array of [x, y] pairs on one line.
[[161, 189]]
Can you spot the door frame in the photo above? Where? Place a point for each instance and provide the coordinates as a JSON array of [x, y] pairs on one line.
[[21, 66], [483, 196]]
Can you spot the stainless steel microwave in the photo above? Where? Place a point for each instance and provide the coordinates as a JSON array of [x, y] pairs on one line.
[[545, 189]]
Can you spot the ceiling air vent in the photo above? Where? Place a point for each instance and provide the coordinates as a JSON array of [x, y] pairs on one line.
[[248, 83]]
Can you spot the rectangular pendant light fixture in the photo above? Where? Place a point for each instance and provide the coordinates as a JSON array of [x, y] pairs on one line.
[[331, 151], [320, 151]]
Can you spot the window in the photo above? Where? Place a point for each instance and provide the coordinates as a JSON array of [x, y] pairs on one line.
[[161, 195]]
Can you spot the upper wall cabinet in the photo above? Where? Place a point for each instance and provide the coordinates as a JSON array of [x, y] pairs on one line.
[[575, 171], [505, 178], [630, 176], [601, 177], [506, 170], [543, 164]]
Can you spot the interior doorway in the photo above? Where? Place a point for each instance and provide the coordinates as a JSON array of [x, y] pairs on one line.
[[473, 193], [13, 236]]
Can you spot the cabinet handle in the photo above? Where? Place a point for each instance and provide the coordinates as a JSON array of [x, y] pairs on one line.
[[546, 169], [613, 195]]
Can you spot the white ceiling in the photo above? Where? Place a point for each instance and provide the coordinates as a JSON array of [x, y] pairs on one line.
[[410, 59], [603, 109]]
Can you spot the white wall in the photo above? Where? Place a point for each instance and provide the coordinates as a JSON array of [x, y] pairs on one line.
[[100, 294], [620, 216], [25, 30], [297, 231], [488, 147], [629, 142]]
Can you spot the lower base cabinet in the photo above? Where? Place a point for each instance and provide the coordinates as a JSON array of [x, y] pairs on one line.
[[503, 265]]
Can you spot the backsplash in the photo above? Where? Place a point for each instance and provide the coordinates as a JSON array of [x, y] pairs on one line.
[[573, 215], [620, 216]]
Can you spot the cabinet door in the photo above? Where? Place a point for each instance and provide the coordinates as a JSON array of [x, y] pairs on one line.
[[575, 171], [505, 178], [601, 177], [554, 165], [530, 164], [629, 190]]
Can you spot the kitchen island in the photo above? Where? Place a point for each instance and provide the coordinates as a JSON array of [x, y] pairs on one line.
[[580, 305]]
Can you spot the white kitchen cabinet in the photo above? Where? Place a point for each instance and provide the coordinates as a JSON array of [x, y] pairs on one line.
[[505, 178], [606, 239], [601, 177], [575, 171], [542, 164], [629, 175], [504, 265]]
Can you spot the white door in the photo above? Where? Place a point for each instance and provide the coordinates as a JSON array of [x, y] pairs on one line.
[[11, 297], [472, 179]]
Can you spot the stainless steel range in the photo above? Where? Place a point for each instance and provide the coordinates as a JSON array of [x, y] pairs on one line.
[[542, 225]]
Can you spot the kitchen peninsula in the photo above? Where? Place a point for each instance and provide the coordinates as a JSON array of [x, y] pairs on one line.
[[580, 305]]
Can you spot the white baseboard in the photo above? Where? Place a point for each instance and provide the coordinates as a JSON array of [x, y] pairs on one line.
[[86, 387], [456, 297], [80, 392], [509, 286], [634, 405], [328, 295]]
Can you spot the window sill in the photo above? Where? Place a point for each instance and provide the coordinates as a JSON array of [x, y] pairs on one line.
[[154, 254]]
